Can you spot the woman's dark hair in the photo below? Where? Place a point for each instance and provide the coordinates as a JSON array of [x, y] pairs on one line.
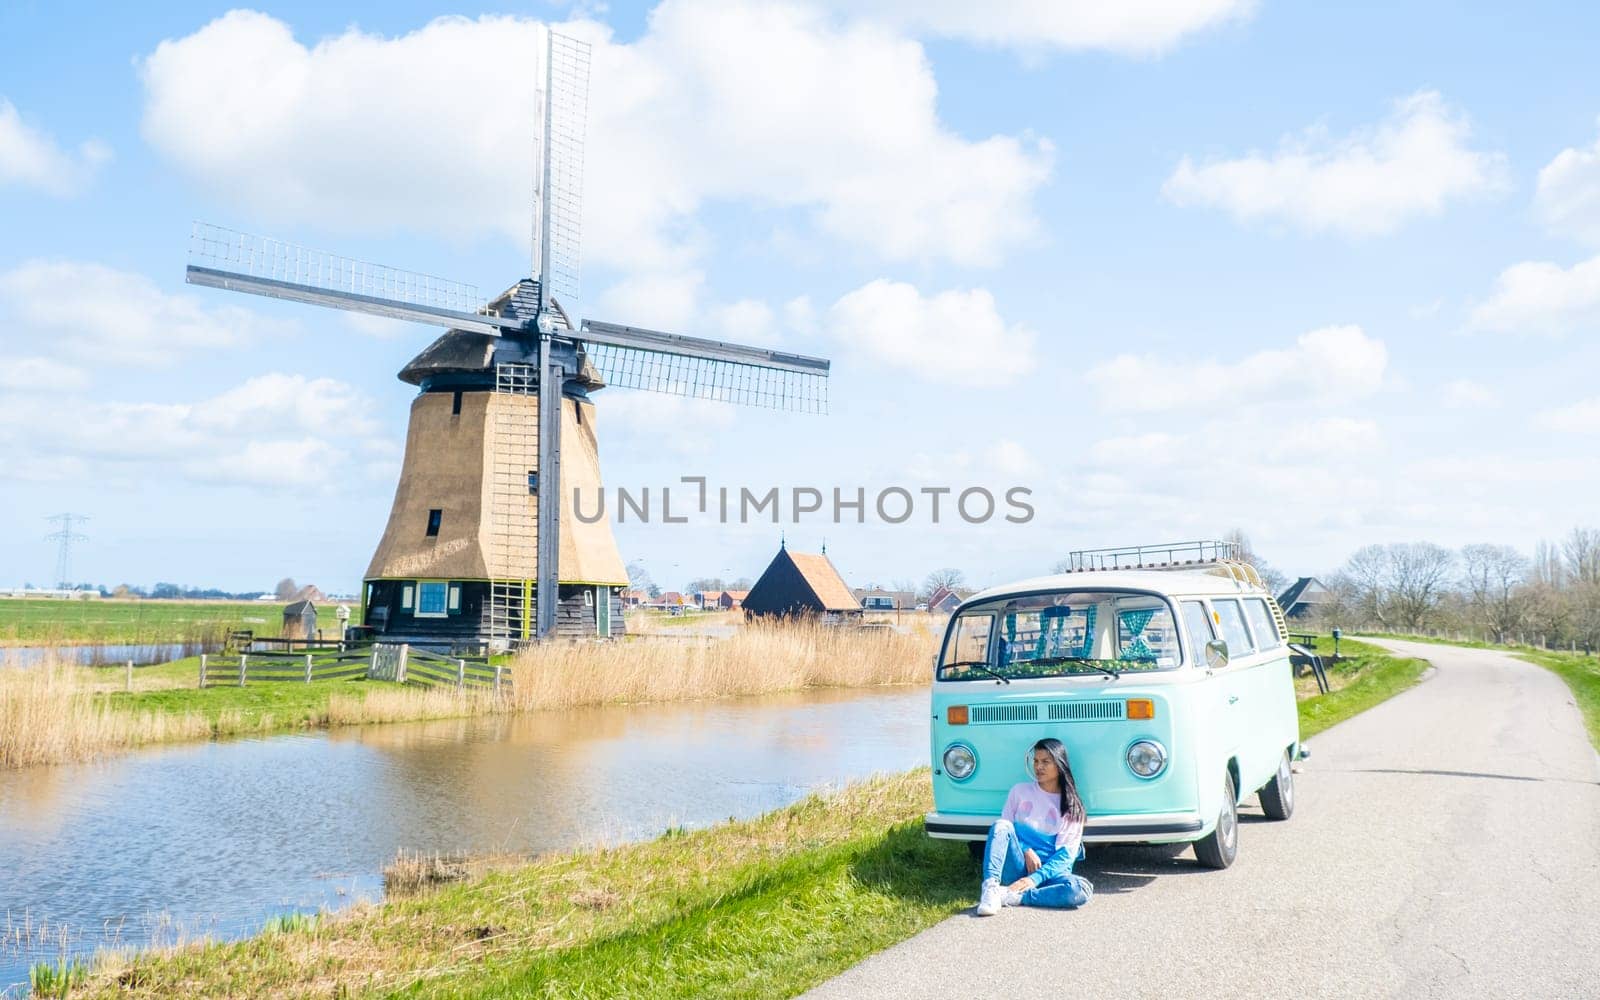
[[1071, 804]]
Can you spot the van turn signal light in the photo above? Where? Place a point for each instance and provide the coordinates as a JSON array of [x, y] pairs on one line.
[[1141, 708], [956, 715]]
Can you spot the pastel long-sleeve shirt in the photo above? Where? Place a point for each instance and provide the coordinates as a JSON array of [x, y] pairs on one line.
[[1036, 816]]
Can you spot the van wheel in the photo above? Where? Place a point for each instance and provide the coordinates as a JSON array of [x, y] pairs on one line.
[[1222, 845], [975, 848], [1277, 795]]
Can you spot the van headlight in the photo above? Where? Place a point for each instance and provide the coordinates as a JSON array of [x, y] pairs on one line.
[[960, 761], [1147, 758]]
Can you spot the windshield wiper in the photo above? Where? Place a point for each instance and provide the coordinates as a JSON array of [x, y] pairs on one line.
[[979, 664], [1095, 664]]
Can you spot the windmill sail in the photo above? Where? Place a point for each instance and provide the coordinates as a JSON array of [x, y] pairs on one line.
[[559, 233], [241, 262], [629, 357]]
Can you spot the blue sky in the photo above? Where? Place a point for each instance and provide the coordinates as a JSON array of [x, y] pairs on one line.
[[1329, 275]]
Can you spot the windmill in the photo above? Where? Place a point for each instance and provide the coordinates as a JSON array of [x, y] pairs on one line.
[[477, 548]]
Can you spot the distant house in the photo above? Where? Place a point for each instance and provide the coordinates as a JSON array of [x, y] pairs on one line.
[[633, 598], [943, 599], [878, 599], [732, 600], [1304, 597], [309, 593], [672, 599], [801, 584]]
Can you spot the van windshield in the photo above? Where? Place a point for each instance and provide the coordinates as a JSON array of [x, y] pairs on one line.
[[1061, 634]]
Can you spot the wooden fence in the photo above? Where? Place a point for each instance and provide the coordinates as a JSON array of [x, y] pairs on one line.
[[382, 661], [322, 665], [426, 669]]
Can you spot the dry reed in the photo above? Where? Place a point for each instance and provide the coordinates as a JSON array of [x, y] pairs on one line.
[[760, 658], [49, 714]]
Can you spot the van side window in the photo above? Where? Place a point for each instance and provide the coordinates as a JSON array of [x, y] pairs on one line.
[[1262, 625], [1198, 625], [1230, 620]]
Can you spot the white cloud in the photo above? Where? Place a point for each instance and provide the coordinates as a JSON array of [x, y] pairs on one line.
[[953, 336], [1367, 183], [1538, 297], [1579, 418], [90, 311], [1139, 27], [778, 106], [1334, 362], [271, 430], [1465, 394], [1568, 196], [30, 158], [39, 375]]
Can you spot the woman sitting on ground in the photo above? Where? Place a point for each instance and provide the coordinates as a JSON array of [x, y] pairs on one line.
[[1032, 847]]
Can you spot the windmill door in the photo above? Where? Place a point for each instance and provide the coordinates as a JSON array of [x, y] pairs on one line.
[[602, 611]]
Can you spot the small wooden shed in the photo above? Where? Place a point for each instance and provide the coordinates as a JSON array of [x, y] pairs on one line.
[[300, 620]]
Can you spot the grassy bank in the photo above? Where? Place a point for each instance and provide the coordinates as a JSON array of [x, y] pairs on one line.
[[54, 713], [1364, 676], [35, 621], [761, 908], [1580, 671], [766, 907]]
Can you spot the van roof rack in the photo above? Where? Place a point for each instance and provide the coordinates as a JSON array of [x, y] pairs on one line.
[[1218, 557]]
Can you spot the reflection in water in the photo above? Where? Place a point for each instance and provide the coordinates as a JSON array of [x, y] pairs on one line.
[[216, 837]]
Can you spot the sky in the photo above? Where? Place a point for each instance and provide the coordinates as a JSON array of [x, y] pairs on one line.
[[1329, 274]]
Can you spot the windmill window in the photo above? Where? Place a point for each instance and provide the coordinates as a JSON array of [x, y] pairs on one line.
[[455, 405], [407, 593], [533, 483], [454, 604], [434, 517], [432, 598]]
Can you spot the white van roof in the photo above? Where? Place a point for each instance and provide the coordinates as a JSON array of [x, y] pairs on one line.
[[1214, 581]]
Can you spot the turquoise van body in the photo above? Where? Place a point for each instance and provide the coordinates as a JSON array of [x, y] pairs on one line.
[[1171, 690]]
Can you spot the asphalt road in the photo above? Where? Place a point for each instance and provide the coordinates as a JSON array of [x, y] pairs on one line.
[[1444, 844]]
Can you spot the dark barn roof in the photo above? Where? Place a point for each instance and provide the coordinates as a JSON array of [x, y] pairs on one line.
[[800, 583], [1302, 597]]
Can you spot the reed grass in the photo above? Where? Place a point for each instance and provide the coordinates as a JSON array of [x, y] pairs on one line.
[[760, 658], [49, 714]]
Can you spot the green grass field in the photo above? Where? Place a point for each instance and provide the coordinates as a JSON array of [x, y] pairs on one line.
[[27, 621]]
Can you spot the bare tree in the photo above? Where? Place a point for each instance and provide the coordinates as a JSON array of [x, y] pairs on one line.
[[639, 579], [1547, 568], [1585, 625], [1582, 551], [1274, 580], [948, 577], [286, 589], [712, 584], [1366, 578], [1492, 578], [1419, 572]]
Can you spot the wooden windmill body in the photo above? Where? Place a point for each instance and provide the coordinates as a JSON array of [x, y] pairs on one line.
[[482, 546]]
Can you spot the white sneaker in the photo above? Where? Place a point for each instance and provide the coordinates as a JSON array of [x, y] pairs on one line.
[[989, 899], [1011, 898]]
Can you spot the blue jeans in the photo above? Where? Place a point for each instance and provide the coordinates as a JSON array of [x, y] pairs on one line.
[[1002, 861]]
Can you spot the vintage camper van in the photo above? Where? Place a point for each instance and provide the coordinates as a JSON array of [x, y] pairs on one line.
[[1165, 671]]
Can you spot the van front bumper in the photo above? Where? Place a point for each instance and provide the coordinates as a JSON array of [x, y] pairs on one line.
[[1138, 828]]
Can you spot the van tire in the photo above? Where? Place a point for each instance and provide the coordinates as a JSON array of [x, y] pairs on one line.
[[1277, 795], [1221, 846], [975, 849]]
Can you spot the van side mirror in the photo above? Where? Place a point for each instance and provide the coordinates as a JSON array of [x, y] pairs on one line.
[[1217, 654]]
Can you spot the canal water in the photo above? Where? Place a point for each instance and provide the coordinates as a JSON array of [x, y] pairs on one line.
[[215, 838], [104, 654]]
